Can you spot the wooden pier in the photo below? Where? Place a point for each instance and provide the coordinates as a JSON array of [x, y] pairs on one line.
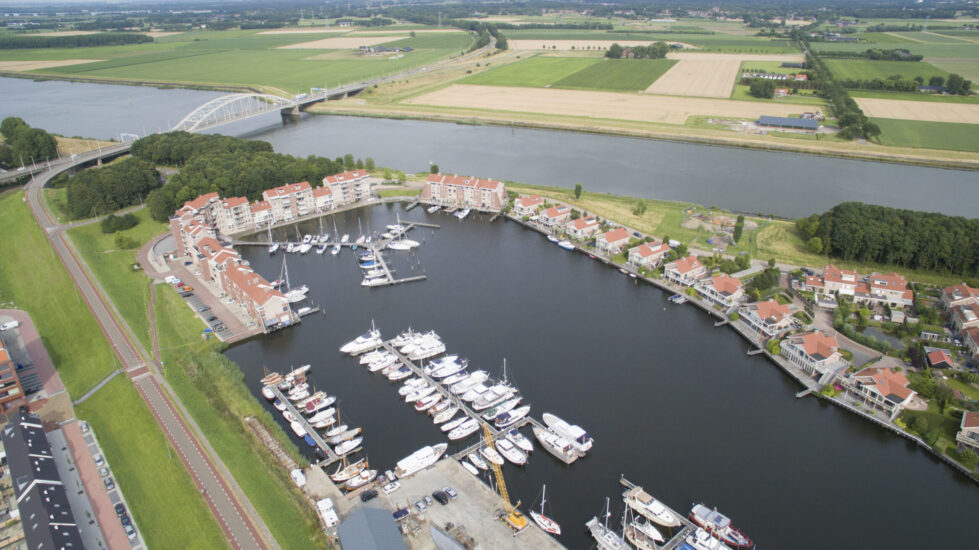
[[679, 537], [317, 438]]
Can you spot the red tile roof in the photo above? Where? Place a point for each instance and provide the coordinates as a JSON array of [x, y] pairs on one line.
[[557, 211], [4, 357], [261, 205], [960, 291], [234, 201], [321, 191], [835, 274], [465, 181], [688, 264], [584, 223], [939, 356], [724, 284], [252, 284], [770, 310], [815, 281], [616, 235], [890, 281], [970, 419], [649, 249], [349, 175], [201, 201], [818, 345], [890, 384], [287, 189], [529, 201]]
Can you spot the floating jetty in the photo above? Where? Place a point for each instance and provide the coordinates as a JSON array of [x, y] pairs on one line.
[[678, 539], [317, 438]]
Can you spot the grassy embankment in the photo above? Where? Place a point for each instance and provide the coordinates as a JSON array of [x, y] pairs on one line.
[[920, 133], [32, 278], [772, 238], [210, 386]]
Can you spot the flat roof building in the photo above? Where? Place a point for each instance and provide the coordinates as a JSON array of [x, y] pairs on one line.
[[787, 122]]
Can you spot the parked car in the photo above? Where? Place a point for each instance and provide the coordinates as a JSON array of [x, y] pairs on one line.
[[450, 491], [220, 328], [124, 520], [104, 472], [420, 505], [99, 460], [204, 308], [391, 487], [188, 288], [368, 495], [188, 263], [211, 318], [441, 497], [120, 509], [10, 325], [84, 427], [186, 294], [428, 500], [109, 484], [130, 531]]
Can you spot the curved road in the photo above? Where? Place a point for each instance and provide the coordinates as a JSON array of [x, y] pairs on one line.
[[229, 506]]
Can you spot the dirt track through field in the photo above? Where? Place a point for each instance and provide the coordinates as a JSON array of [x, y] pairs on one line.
[[568, 45], [706, 74], [623, 106], [37, 65], [920, 110], [342, 43]]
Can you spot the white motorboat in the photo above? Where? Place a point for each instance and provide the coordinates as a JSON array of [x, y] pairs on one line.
[[519, 440], [561, 448], [371, 273], [373, 355], [382, 363], [439, 407], [267, 393], [493, 396], [361, 479], [290, 248], [336, 431], [449, 369], [427, 402], [469, 468], [701, 540], [396, 229], [421, 392], [278, 404], [445, 415], [542, 521], [335, 250], [360, 240], [307, 239], [420, 459], [296, 295], [478, 461], [402, 339], [463, 430], [346, 435], [652, 509], [297, 428], [503, 407], [511, 452], [314, 398], [410, 386], [321, 248], [449, 426], [274, 248], [403, 244], [463, 213], [434, 208], [436, 364], [469, 382], [301, 394], [427, 349], [567, 245], [348, 446], [304, 248], [347, 471], [295, 390], [457, 377], [374, 281], [317, 405], [553, 239], [417, 340], [289, 416], [475, 392], [400, 373], [575, 434], [362, 343], [489, 453]]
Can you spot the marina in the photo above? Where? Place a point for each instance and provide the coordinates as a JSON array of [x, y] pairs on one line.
[[309, 430]]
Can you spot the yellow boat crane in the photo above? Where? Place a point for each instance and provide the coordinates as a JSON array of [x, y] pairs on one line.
[[510, 515]]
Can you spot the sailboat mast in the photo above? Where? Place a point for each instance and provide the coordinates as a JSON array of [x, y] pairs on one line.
[[543, 498], [608, 512]]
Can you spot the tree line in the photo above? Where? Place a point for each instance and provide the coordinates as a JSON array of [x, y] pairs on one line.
[[78, 41], [656, 50], [23, 144], [876, 54], [904, 238], [228, 166], [100, 191], [851, 119]]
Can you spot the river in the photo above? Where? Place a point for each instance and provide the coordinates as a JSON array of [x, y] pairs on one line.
[[673, 403], [786, 184]]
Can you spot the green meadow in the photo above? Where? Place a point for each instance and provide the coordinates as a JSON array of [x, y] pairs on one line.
[[929, 135]]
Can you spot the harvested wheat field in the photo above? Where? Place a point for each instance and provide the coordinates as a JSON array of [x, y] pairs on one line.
[[342, 43], [568, 45], [645, 108], [920, 110], [37, 65], [706, 74], [161, 34], [308, 30], [416, 31]]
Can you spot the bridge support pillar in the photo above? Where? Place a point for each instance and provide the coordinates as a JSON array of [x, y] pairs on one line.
[[290, 112]]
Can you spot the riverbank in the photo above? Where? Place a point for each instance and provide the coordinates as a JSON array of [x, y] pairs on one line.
[[685, 134]]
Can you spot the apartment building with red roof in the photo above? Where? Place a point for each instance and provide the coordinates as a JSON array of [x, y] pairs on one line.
[[233, 215], [959, 295], [881, 388], [582, 228], [323, 199], [612, 242], [769, 318], [685, 271], [969, 431], [721, 289], [813, 352], [290, 201], [261, 213], [265, 305], [527, 205], [890, 288], [349, 187], [464, 192]]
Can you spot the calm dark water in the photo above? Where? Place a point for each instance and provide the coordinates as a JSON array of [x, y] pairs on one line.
[[785, 184], [672, 402]]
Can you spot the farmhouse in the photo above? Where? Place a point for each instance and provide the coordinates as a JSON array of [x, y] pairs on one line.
[[648, 255], [582, 228], [769, 318], [721, 289], [611, 242], [527, 205], [685, 271], [788, 122]]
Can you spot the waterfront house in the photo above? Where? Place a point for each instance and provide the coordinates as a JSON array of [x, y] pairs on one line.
[[201, 207], [965, 316], [212, 258], [464, 192], [959, 295], [891, 289], [769, 318], [264, 304], [648, 255], [881, 388], [582, 228], [527, 205], [261, 213], [555, 216], [323, 199], [349, 187], [612, 242], [233, 215], [187, 232], [685, 271], [939, 358], [290, 201], [969, 431], [721, 289], [813, 352]]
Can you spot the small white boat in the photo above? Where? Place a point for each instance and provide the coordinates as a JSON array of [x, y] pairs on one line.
[[474, 393], [427, 349], [400, 373], [411, 385], [297, 429], [553, 239], [302, 394], [307, 239], [346, 435], [427, 402], [439, 407], [402, 339], [469, 468], [303, 311], [469, 382], [362, 478], [274, 248], [652, 509], [325, 423], [289, 416], [296, 295], [374, 273], [345, 239], [382, 363], [542, 521], [511, 452], [290, 248], [417, 340], [321, 249], [701, 540], [374, 281], [445, 415], [345, 472], [421, 392], [573, 433], [278, 404], [362, 343], [520, 440], [396, 228], [336, 431], [360, 240], [335, 250], [463, 213], [561, 448], [267, 393], [403, 244], [489, 453], [477, 461], [449, 426], [304, 248], [464, 430], [503, 407], [493, 396], [567, 245], [348, 446], [373, 355], [457, 377], [449, 369], [434, 208], [420, 459], [322, 415]]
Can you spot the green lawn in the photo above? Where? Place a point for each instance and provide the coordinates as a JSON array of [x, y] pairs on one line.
[[534, 72], [213, 390], [383, 193], [33, 278], [968, 68], [168, 509], [929, 135], [865, 69], [58, 202], [128, 289], [617, 75]]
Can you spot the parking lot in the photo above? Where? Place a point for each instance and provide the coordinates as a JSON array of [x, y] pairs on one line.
[[227, 320]]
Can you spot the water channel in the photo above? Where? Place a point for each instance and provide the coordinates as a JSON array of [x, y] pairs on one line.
[[672, 402]]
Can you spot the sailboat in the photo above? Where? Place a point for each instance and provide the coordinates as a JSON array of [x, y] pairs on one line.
[[544, 522], [606, 538], [360, 231], [273, 246], [401, 243], [336, 247], [293, 295]]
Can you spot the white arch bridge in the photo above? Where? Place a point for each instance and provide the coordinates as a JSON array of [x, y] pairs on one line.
[[234, 107]]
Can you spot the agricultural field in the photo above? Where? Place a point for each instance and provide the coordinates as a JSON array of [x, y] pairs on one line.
[[707, 75], [920, 110], [929, 135], [583, 73], [706, 42], [865, 69]]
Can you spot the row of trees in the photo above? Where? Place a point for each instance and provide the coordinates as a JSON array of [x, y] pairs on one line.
[[853, 123], [956, 84], [23, 144], [23, 42], [656, 50], [230, 169], [105, 190], [904, 238], [876, 54]]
